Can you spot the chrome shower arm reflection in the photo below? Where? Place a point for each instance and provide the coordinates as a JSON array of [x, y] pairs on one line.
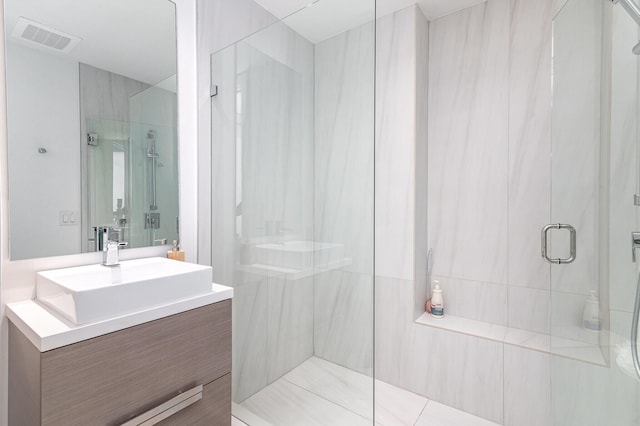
[[634, 11]]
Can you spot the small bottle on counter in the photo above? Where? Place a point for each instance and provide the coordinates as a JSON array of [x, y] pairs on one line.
[[437, 302], [176, 253]]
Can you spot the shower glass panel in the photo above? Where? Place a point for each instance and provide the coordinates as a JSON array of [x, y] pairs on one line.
[[594, 178], [154, 159], [132, 171], [292, 223]]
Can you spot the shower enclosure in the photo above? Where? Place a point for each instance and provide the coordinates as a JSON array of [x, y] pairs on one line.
[[293, 155], [595, 175], [293, 148]]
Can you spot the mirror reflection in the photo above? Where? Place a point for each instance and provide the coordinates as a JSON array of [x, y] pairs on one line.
[[92, 136]]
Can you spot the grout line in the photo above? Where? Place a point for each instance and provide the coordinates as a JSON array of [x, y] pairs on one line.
[[422, 411], [322, 397]]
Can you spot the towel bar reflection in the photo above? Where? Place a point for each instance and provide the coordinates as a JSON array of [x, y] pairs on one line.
[[572, 243]]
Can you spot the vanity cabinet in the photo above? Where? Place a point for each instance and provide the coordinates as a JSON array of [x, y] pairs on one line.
[[113, 378]]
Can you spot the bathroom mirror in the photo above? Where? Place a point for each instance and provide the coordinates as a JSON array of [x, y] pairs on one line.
[[92, 123]]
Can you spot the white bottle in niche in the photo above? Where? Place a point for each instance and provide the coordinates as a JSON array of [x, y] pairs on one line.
[[591, 314], [437, 302]]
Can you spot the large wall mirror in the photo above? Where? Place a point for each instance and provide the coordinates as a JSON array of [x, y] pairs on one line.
[[92, 123]]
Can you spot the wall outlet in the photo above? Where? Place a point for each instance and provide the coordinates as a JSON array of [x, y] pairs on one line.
[[69, 218]]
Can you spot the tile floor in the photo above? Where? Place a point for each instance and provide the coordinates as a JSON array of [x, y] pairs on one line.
[[319, 392]]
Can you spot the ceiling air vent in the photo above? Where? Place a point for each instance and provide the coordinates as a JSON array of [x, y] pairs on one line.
[[44, 36]]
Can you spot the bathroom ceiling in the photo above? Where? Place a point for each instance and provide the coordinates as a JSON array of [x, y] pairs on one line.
[[326, 18], [131, 38]]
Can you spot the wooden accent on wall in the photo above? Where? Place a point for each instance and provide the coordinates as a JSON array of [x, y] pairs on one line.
[[112, 378]]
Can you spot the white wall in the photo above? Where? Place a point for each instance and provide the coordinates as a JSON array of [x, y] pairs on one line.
[[43, 91]]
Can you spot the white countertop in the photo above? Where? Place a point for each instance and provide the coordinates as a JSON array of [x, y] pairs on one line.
[[48, 331]]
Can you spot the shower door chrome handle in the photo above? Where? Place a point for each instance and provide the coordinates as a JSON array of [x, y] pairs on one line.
[[572, 243]]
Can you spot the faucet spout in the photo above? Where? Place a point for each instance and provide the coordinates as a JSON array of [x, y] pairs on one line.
[[110, 246]]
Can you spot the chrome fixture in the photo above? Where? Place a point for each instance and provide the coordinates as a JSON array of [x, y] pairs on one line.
[[153, 156], [634, 11], [152, 221], [635, 243], [572, 243], [634, 330], [108, 238]]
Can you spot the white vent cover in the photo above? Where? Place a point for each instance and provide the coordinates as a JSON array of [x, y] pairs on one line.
[[44, 36]]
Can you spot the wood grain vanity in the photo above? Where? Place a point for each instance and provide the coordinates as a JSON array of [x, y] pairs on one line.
[[115, 377]]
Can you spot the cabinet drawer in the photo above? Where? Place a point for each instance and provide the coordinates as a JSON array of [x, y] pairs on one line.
[[214, 409], [112, 378]]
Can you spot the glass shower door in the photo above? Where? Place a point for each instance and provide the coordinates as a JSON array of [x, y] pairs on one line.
[[292, 231], [593, 181]]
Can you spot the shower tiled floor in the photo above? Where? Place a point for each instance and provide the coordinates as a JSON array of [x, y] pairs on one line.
[[319, 392]]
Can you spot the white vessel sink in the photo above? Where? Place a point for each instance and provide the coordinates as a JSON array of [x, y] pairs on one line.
[[299, 254], [87, 294]]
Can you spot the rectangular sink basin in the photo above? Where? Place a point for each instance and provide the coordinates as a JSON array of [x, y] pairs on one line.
[[299, 254], [92, 293]]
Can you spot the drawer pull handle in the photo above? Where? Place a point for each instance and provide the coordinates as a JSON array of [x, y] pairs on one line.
[[167, 409]]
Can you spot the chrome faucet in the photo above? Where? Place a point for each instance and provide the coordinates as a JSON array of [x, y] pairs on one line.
[[635, 243], [110, 246]]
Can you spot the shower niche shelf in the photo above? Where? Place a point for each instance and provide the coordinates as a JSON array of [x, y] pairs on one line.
[[541, 342]]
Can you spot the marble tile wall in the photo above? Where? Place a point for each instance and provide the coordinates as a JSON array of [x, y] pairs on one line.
[[396, 162], [343, 196], [343, 325], [624, 154], [468, 143], [220, 23], [421, 159], [457, 370], [343, 145], [262, 134]]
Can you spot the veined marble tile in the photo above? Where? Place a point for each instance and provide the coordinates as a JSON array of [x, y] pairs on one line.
[[344, 144], [529, 309], [421, 247], [566, 317], [396, 406], [343, 319], [623, 152], [354, 391], [289, 324], [528, 339], [527, 387], [576, 118], [462, 371], [436, 414], [395, 188], [474, 300], [529, 139], [468, 142], [249, 339], [222, 23], [223, 167], [283, 403], [588, 395], [335, 383], [236, 422], [465, 326]]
